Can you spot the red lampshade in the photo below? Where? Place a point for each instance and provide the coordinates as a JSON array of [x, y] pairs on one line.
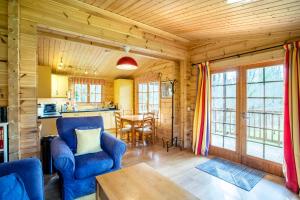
[[127, 63]]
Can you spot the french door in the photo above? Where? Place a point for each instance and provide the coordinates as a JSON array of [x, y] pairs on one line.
[[247, 115]]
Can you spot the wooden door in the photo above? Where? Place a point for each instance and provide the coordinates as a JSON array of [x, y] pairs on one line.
[[247, 114]]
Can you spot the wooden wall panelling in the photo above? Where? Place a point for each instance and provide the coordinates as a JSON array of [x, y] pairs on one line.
[[29, 140], [184, 65], [59, 16], [3, 54], [108, 91], [217, 49], [13, 79], [3, 84], [191, 77]]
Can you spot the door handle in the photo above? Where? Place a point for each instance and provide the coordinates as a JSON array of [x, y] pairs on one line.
[[244, 115]]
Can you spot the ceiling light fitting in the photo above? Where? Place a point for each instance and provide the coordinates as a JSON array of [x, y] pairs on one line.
[[61, 64], [126, 62]]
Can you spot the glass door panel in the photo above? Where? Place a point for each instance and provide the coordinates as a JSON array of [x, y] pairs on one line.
[[223, 110], [264, 98]]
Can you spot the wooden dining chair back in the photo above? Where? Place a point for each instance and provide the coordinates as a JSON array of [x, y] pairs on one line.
[[147, 128], [119, 127]]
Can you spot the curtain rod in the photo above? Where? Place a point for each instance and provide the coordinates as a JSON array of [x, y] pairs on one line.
[[242, 54]]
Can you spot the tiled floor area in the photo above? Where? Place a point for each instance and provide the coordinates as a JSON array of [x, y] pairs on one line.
[[179, 166]]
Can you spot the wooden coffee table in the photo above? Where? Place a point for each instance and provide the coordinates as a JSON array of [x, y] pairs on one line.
[[139, 182]]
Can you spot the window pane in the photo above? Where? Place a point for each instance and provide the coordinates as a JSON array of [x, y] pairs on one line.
[[217, 91], [255, 90], [92, 88], [217, 79], [156, 98], [256, 104], [230, 103], [229, 143], [217, 103], [217, 140], [274, 105], [98, 97], [98, 89], [92, 98], [140, 87], [144, 87], [255, 75], [230, 77], [274, 89], [274, 73], [230, 91]]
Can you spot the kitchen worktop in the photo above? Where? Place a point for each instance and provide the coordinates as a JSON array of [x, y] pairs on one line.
[[59, 114], [90, 110]]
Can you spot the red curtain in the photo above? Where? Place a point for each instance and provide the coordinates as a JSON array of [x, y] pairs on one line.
[[292, 116]]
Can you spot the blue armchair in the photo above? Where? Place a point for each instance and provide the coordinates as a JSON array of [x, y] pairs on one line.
[[77, 173], [30, 171]]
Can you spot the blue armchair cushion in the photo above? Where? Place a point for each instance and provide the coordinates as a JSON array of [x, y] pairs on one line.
[[92, 164], [66, 128], [12, 187]]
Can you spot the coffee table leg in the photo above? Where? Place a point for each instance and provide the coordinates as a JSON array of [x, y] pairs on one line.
[[98, 192]]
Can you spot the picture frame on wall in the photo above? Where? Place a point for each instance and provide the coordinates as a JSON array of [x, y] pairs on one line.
[[166, 90]]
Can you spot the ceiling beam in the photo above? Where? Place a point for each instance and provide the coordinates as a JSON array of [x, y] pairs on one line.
[[71, 20], [88, 41], [98, 11]]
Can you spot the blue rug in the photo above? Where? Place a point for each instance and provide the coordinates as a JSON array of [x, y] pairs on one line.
[[240, 175]]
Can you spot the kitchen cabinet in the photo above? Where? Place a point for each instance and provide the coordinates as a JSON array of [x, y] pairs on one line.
[[108, 117], [44, 82], [123, 95], [59, 86]]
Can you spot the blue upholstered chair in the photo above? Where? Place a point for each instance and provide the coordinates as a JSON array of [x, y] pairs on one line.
[[30, 172], [78, 173]]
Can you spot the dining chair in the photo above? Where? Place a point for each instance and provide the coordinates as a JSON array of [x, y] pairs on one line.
[[147, 129], [119, 127]]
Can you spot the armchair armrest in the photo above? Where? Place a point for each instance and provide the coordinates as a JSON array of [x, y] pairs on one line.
[[63, 158], [114, 147], [30, 171]]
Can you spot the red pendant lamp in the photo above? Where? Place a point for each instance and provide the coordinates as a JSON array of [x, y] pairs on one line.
[[126, 62]]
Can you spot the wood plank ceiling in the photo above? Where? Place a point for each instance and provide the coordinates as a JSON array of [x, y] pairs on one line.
[[201, 19], [79, 57]]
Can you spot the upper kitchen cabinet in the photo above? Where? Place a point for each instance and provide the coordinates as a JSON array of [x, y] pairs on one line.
[[44, 82], [123, 94], [59, 86]]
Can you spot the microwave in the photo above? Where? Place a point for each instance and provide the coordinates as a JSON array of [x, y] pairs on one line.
[[49, 108]]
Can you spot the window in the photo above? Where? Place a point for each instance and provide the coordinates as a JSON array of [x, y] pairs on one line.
[[95, 93], [223, 126], [265, 113], [81, 92], [148, 97], [87, 93]]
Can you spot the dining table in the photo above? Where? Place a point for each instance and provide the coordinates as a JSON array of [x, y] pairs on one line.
[[134, 121]]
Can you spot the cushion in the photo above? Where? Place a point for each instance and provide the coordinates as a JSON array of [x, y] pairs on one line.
[[92, 164], [66, 128], [88, 141], [12, 187]]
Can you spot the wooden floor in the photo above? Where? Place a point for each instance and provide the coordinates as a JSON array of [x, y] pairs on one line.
[[179, 166]]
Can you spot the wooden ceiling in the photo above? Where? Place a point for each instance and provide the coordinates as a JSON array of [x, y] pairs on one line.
[[200, 19], [79, 57]]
